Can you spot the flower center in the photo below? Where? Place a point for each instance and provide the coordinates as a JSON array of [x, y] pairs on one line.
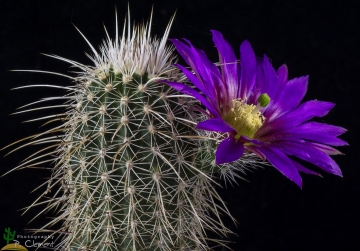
[[247, 118]]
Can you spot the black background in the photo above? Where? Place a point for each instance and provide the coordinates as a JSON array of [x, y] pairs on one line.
[[316, 38]]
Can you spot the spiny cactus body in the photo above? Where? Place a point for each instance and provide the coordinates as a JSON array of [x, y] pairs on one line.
[[130, 172]]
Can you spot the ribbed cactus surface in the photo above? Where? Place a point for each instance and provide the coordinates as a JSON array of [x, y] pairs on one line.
[[130, 172]]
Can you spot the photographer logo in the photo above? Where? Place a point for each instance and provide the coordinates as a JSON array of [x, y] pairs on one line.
[[28, 241]]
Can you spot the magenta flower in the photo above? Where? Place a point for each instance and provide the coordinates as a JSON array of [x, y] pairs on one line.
[[259, 110]]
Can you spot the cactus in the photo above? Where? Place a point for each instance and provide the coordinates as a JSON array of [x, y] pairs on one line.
[[130, 171], [9, 236]]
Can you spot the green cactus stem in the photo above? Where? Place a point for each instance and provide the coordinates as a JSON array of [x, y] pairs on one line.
[[130, 172]]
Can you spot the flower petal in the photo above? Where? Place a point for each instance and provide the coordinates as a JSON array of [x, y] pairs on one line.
[[248, 70], [182, 48], [254, 149], [326, 149], [204, 69], [287, 98], [215, 125], [189, 91], [282, 163], [208, 72], [271, 84], [329, 130], [250, 140], [302, 113], [193, 79], [308, 110], [282, 74], [229, 150], [228, 64], [303, 169], [313, 131], [312, 155], [259, 82]]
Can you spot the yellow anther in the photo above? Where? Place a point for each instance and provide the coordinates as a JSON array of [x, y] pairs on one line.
[[244, 118]]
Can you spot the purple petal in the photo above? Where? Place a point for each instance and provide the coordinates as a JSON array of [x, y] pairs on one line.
[[308, 110], [267, 81], [302, 113], [215, 125], [314, 131], [259, 82], [325, 129], [228, 64], [282, 74], [326, 149], [229, 150], [208, 72], [197, 82], [288, 98], [248, 70], [282, 163], [260, 75], [250, 140], [183, 49], [304, 169], [270, 79], [189, 91], [257, 152], [312, 155], [204, 69]]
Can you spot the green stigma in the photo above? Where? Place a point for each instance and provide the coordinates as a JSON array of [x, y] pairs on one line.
[[263, 100]]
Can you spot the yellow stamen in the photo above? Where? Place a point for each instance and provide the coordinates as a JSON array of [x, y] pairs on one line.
[[245, 118]]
